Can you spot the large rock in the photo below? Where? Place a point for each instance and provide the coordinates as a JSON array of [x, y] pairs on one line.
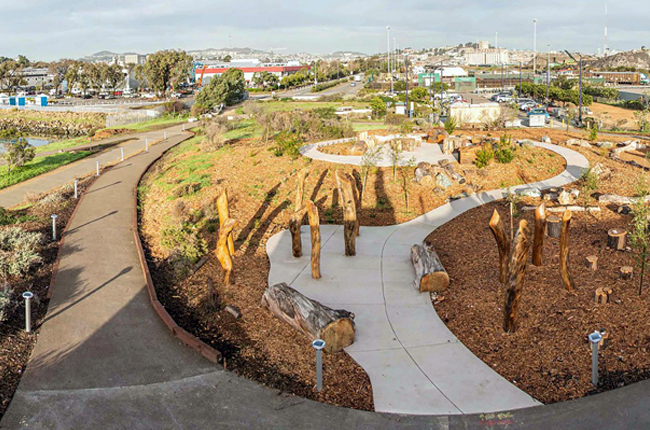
[[546, 139], [578, 142], [443, 180], [605, 145], [601, 171]]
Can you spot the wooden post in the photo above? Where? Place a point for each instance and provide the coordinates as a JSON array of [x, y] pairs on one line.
[[602, 295], [349, 214], [592, 262], [311, 318], [626, 273], [299, 213], [538, 242], [430, 275], [553, 226], [617, 239], [516, 274], [223, 254], [314, 224], [564, 253], [213, 297], [502, 243], [357, 201], [300, 189], [224, 213]]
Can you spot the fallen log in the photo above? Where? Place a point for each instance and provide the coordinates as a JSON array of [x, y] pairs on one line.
[[538, 241], [562, 209], [567, 279], [617, 239], [516, 275], [224, 213], [223, 254], [620, 200], [502, 243], [311, 318], [314, 224], [430, 275]]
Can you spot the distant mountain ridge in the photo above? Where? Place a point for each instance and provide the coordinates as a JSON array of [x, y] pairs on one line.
[[638, 58]]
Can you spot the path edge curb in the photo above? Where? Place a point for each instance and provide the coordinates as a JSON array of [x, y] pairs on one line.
[[178, 332]]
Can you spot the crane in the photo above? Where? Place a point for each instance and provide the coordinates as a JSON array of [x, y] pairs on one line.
[[199, 84]]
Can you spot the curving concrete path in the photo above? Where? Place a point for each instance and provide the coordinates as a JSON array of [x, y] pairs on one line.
[[430, 152], [416, 365]]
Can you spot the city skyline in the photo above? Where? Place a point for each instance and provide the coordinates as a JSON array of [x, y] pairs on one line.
[[77, 29]]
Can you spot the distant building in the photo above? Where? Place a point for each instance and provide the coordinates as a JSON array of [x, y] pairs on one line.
[[488, 57], [136, 59], [483, 44], [37, 77], [249, 67]]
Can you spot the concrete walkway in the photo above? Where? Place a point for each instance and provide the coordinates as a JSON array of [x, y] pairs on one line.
[[416, 365], [16, 194], [431, 152]]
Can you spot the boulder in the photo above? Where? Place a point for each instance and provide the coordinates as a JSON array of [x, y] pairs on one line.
[[527, 143], [443, 180], [601, 171], [530, 192], [578, 142], [546, 139], [566, 198], [605, 145]]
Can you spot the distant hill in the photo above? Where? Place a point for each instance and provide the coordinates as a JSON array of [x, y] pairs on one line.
[[103, 54], [639, 59]]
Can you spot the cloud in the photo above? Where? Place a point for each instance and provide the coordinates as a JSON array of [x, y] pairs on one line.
[[75, 28]]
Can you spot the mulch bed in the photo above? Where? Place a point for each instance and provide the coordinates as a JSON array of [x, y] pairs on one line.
[[548, 356], [15, 344]]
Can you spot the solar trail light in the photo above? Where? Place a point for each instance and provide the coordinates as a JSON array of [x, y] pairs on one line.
[[122, 153], [54, 217], [97, 164], [76, 189], [594, 338], [164, 135], [319, 345], [146, 144], [28, 310]]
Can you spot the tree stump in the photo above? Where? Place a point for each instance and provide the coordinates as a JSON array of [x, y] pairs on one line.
[[516, 274], [311, 318], [538, 242], [567, 279], [223, 254], [592, 262], [224, 213], [314, 224], [213, 297], [349, 214], [430, 275], [626, 273], [617, 239], [602, 295], [553, 226], [502, 243]]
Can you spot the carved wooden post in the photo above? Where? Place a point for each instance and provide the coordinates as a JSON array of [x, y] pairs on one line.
[[538, 242], [314, 224], [564, 253], [503, 244], [553, 226], [516, 274], [357, 201], [349, 214], [299, 213], [224, 214], [223, 254]]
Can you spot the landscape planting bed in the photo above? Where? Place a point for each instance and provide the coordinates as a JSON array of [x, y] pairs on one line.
[[548, 356]]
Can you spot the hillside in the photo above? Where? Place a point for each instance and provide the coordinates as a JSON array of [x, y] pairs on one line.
[[639, 59]]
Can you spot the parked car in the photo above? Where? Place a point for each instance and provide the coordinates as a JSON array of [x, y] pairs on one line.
[[147, 95], [538, 111]]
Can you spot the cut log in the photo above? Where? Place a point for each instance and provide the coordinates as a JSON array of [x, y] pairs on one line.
[[295, 222], [592, 263], [455, 176], [311, 318], [223, 254], [540, 226], [562, 209], [565, 273], [602, 295], [617, 239], [224, 213], [314, 224], [349, 214], [626, 273], [233, 310], [516, 275], [553, 226], [213, 297], [502, 243], [430, 275]]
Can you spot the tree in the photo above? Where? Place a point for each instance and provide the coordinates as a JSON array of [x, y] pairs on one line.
[[23, 61], [639, 236], [60, 69], [18, 153], [226, 59], [418, 94], [378, 107], [113, 76], [11, 74], [228, 88], [165, 69]]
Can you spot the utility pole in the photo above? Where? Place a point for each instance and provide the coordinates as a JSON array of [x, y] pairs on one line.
[[548, 72], [534, 47], [580, 104], [521, 65], [390, 75], [406, 67]]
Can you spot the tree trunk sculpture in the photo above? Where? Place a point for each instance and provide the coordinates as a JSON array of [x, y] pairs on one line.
[[299, 213], [430, 275], [538, 241], [223, 254], [349, 214], [502, 243], [224, 213], [314, 224], [567, 279], [516, 274]]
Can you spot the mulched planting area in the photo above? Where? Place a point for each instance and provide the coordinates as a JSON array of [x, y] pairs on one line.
[[16, 345], [548, 356]]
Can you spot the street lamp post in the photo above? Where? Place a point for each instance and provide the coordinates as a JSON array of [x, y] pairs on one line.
[[390, 76], [521, 64], [534, 46], [580, 95], [406, 67], [548, 72]]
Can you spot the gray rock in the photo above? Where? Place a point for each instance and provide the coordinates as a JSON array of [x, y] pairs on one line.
[[534, 192], [527, 143], [546, 139], [606, 144], [443, 180]]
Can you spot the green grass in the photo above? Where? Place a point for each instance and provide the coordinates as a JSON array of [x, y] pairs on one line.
[[293, 105], [365, 126], [149, 125], [63, 144], [246, 129], [38, 166]]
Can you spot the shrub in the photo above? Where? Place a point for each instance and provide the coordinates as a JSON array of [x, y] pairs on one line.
[[593, 134], [450, 125], [395, 119], [406, 127], [505, 152], [287, 143], [185, 242], [18, 153], [326, 112], [175, 108], [484, 156], [5, 299], [18, 251]]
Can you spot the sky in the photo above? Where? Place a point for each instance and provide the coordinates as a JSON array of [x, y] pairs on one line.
[[53, 29]]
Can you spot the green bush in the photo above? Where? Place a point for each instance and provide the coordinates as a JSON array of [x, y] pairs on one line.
[[450, 125], [18, 251], [395, 119], [184, 241], [505, 152], [326, 112], [287, 143], [484, 156]]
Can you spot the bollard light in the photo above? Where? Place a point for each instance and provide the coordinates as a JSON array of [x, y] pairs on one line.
[[319, 345], [146, 144], [183, 127], [97, 168], [594, 338], [165, 135], [122, 153], [76, 189], [28, 310], [54, 227]]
